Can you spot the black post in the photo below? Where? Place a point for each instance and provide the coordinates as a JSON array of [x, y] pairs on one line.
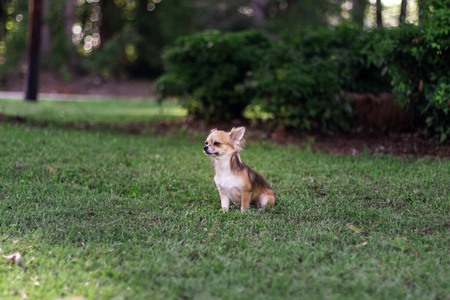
[[33, 47]]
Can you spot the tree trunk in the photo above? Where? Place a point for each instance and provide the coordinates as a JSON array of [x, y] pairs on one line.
[[105, 32], [423, 10], [46, 40], [379, 15], [402, 17], [33, 49], [68, 21], [259, 16], [358, 11]]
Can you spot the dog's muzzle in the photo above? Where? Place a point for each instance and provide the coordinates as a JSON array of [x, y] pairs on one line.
[[208, 151]]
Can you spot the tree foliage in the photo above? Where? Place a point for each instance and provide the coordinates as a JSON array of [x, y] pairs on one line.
[[418, 60], [126, 37], [300, 80], [208, 69]]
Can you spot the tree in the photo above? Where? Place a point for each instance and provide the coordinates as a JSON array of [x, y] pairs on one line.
[[402, 17], [33, 49], [379, 15], [358, 11], [423, 10], [46, 41], [259, 17], [113, 19], [69, 19]]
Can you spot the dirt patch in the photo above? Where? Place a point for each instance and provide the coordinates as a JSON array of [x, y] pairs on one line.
[[377, 113], [393, 144]]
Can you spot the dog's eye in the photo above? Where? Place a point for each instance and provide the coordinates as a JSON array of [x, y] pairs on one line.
[[206, 143], [216, 143]]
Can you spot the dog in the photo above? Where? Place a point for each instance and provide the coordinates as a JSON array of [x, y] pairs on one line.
[[235, 181]]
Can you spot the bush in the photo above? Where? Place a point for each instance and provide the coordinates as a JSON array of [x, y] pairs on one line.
[[207, 69], [350, 49], [304, 80], [301, 80], [418, 61], [217, 75], [302, 93]]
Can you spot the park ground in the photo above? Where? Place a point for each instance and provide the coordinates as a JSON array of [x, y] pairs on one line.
[[99, 214], [115, 199]]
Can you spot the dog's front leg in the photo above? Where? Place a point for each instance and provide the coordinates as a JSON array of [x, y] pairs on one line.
[[245, 200], [225, 201]]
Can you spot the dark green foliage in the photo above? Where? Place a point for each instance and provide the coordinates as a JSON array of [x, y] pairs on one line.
[[60, 44], [13, 37], [207, 70], [156, 29], [300, 80], [291, 15], [418, 59], [303, 93], [350, 48], [12, 51], [115, 55]]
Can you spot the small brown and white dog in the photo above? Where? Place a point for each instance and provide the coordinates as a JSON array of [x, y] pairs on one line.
[[236, 181]]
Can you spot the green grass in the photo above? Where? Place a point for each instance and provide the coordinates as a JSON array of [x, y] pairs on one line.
[[97, 111], [109, 216]]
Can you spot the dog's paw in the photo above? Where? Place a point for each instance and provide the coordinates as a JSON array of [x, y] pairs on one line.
[[224, 209]]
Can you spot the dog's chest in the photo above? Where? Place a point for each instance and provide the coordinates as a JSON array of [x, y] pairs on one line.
[[230, 185]]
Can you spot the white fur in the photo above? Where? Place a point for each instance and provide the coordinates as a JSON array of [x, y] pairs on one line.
[[227, 182], [263, 200]]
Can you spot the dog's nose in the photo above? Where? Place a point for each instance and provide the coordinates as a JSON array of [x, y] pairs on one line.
[[205, 148]]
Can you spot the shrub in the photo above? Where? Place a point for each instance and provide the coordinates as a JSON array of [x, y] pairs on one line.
[[304, 80], [302, 93], [217, 75], [350, 48], [207, 69], [418, 61], [300, 80]]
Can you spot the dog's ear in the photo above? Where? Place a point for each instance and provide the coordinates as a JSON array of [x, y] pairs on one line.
[[213, 130], [237, 134]]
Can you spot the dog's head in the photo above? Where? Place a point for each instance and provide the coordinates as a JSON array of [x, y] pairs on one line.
[[221, 143]]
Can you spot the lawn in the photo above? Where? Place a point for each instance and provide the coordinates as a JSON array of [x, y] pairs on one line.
[[98, 111], [104, 215]]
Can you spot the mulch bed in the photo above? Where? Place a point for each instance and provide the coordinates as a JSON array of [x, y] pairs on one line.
[[396, 144]]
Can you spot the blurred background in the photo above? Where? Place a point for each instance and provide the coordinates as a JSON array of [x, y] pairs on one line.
[[125, 38], [327, 65]]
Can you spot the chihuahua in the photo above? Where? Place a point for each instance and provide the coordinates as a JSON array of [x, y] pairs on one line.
[[235, 180]]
